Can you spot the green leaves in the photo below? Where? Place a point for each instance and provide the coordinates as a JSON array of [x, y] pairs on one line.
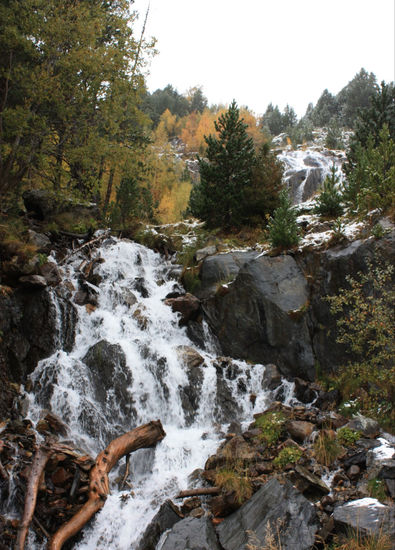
[[283, 228]]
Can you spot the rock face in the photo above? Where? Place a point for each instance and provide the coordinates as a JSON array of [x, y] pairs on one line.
[[191, 534], [275, 311], [276, 506], [30, 330], [262, 316]]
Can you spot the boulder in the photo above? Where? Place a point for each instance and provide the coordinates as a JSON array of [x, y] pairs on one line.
[[51, 273], [204, 252], [366, 426], [275, 507], [191, 534], [109, 374], [41, 241], [311, 486], [220, 268], [189, 356], [33, 281], [367, 515], [43, 204], [163, 520], [234, 452], [262, 316], [299, 429], [271, 377], [188, 305]]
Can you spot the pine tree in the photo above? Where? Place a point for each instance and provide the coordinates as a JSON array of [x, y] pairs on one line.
[[219, 198], [283, 228], [330, 198]]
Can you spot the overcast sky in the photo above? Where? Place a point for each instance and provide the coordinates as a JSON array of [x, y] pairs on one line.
[[262, 51]]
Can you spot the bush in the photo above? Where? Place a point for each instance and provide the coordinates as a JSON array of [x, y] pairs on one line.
[[271, 425], [330, 198], [283, 228], [288, 455], [366, 327], [347, 436]]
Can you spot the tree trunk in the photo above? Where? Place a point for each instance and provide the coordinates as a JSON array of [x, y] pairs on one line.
[[144, 436]]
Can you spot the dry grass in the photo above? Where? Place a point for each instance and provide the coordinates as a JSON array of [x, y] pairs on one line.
[[234, 482], [356, 541], [327, 448]]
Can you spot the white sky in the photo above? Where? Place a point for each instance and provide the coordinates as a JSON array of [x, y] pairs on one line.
[[262, 51]]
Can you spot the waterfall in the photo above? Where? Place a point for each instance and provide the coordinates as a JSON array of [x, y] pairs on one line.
[[306, 169], [127, 368]]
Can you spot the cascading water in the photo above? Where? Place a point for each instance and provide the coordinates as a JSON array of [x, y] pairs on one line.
[[306, 169], [128, 367]]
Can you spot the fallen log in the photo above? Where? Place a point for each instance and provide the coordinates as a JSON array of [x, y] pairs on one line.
[[199, 492], [40, 459], [144, 436]]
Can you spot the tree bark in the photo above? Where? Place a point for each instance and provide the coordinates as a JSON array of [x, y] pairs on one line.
[[41, 458], [144, 436]]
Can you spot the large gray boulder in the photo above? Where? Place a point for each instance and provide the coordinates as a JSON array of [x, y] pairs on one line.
[[276, 508], [221, 268], [109, 372], [366, 515], [190, 534], [163, 520], [262, 317]]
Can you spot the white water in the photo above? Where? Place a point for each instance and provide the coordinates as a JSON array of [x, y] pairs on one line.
[[156, 390], [308, 167]]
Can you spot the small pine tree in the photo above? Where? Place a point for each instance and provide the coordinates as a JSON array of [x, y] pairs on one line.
[[329, 200], [283, 228]]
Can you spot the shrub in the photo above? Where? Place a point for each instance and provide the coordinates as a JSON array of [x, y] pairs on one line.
[[288, 455], [329, 200], [347, 436], [366, 326], [271, 425], [283, 228]]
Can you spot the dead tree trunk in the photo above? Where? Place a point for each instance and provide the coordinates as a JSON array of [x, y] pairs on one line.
[[40, 460], [144, 436]]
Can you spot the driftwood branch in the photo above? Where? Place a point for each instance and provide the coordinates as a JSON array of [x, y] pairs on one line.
[[85, 245], [40, 459], [199, 492], [144, 436]]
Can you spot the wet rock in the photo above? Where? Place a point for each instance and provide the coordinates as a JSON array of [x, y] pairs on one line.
[[191, 534], [353, 471], [51, 273], [167, 516], [272, 377], [303, 391], [109, 374], [50, 422], [190, 504], [128, 297], [139, 285], [189, 356], [299, 430], [224, 504], [367, 516], [310, 485], [30, 329], [188, 305], [274, 507]]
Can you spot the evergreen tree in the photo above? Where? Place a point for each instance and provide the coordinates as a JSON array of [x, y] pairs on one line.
[[329, 200], [219, 198], [283, 228], [356, 96]]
